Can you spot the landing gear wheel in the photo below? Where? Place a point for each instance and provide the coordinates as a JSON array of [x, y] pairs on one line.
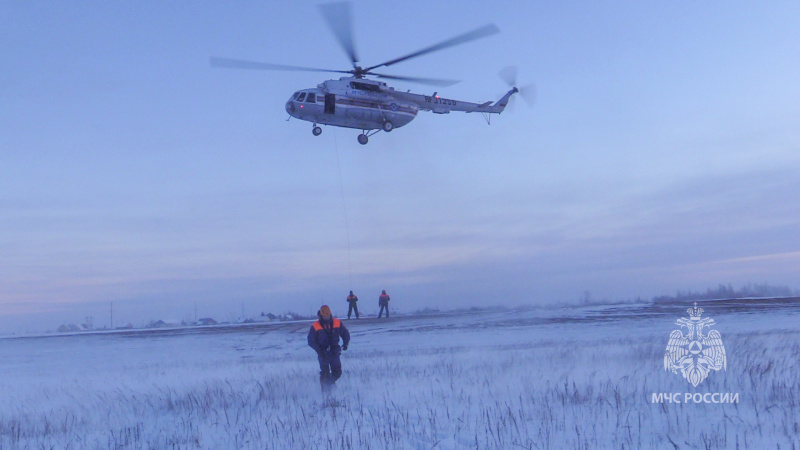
[[388, 126], [363, 139], [317, 131]]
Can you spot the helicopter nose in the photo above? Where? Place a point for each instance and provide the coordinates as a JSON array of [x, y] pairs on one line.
[[290, 107]]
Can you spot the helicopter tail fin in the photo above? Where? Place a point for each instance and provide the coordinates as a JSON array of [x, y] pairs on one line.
[[501, 104]]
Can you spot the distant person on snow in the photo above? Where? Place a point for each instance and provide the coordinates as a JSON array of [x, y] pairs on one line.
[[352, 300], [383, 302], [323, 337]]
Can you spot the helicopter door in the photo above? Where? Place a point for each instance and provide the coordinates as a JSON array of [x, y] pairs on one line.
[[330, 103]]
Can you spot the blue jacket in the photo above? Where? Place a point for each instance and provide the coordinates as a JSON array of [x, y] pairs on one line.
[[324, 336]]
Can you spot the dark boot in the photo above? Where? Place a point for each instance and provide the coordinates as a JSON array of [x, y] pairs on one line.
[[323, 383]]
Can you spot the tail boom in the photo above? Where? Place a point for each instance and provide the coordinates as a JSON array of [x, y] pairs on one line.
[[441, 105]]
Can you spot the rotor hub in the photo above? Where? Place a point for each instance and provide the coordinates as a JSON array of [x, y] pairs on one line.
[[358, 72]]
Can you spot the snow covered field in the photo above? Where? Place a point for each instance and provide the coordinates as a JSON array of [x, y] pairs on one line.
[[526, 378]]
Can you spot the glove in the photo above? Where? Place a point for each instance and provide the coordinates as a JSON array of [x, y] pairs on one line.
[[344, 347]]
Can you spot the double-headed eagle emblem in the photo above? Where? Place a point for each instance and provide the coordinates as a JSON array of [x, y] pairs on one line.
[[694, 353]]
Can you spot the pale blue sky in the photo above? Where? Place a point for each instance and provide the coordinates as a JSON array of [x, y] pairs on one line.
[[662, 154]]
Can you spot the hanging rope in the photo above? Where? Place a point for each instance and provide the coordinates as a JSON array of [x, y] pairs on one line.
[[344, 208]]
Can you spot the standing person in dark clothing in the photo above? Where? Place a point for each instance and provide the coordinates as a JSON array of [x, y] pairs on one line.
[[383, 302], [352, 300], [323, 337]]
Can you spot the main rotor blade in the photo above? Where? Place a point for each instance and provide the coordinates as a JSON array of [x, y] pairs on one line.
[[340, 20], [228, 63], [478, 33], [429, 81]]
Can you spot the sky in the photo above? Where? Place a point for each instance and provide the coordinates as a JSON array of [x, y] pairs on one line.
[[662, 153]]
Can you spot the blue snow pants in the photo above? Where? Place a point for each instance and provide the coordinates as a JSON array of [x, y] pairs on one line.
[[353, 307], [330, 368]]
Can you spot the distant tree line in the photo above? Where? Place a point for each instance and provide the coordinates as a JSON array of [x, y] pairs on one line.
[[726, 292]]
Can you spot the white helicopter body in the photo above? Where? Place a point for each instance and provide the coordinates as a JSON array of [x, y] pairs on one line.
[[373, 105]]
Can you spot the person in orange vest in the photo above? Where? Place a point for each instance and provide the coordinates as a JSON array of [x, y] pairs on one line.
[[383, 302], [324, 337], [352, 300]]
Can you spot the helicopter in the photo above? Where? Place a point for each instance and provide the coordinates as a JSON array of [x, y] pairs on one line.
[[369, 105]]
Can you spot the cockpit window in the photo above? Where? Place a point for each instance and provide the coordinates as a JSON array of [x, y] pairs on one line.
[[296, 95], [302, 96], [312, 98]]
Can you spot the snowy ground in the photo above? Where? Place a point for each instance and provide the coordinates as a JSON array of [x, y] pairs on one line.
[[527, 378]]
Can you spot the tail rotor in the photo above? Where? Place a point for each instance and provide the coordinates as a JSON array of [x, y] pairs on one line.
[[527, 92]]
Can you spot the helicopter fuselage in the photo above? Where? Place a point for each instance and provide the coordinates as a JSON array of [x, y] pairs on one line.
[[352, 103], [372, 105]]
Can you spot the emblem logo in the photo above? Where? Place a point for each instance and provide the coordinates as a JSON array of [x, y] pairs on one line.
[[695, 354], [393, 106]]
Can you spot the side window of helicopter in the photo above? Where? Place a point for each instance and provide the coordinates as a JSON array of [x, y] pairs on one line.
[[302, 96], [312, 98], [364, 86], [296, 95]]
